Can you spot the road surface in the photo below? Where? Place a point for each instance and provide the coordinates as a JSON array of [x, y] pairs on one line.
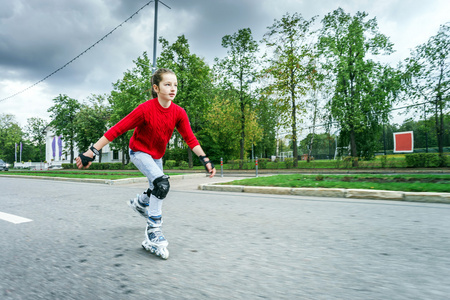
[[81, 241]]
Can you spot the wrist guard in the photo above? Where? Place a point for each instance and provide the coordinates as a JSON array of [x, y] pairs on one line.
[[94, 150], [205, 162], [85, 159]]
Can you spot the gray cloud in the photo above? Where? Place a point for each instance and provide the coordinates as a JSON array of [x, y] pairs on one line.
[[39, 36]]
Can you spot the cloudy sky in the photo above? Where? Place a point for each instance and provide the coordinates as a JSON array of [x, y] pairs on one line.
[[37, 37]]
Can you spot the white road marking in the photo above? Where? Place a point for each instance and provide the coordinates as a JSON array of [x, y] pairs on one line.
[[13, 219]]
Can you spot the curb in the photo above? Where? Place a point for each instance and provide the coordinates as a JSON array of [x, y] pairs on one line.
[[104, 181], [331, 192]]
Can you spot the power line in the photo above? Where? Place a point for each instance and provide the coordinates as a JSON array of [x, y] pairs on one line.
[[78, 56]]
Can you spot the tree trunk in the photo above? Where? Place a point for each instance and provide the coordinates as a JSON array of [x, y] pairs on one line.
[[313, 129], [294, 122], [353, 147], [311, 141], [241, 161], [352, 130], [439, 125], [71, 152]]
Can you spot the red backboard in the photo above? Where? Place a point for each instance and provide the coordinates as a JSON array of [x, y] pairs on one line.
[[403, 141]]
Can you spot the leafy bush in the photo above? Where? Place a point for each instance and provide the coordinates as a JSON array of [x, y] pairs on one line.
[[106, 166], [426, 160], [262, 163], [131, 166], [235, 163], [183, 165], [169, 164], [289, 163], [383, 161], [100, 166]]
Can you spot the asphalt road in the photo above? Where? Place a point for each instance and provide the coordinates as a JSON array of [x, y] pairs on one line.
[[84, 243]]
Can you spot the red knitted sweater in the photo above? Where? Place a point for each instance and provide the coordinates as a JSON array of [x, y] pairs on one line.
[[153, 127]]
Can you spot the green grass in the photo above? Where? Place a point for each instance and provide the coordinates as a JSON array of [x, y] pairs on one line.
[[406, 183], [94, 174], [391, 161]]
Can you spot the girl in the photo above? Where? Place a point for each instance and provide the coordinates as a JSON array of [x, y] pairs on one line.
[[153, 122]]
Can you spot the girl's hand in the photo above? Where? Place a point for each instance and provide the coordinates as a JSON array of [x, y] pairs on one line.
[[85, 160]]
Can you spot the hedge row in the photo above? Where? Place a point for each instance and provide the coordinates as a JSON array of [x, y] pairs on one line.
[[414, 160], [103, 166], [427, 160], [168, 164]]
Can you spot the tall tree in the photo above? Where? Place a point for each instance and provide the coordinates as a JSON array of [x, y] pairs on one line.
[[35, 130], [194, 82], [289, 41], [267, 117], [364, 89], [237, 71], [429, 66], [133, 89], [10, 135], [223, 118], [91, 121], [62, 116]]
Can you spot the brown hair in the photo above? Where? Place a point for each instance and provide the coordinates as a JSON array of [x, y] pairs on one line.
[[157, 77]]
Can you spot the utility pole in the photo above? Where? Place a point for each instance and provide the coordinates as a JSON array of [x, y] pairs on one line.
[[155, 34], [155, 30]]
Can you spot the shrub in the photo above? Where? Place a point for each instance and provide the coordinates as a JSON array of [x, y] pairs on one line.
[[289, 163], [131, 166], [425, 160], [236, 163], [183, 164], [262, 163], [107, 166], [383, 161], [347, 161], [176, 154], [170, 164]]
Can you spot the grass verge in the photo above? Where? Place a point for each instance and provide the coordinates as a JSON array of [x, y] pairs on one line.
[[405, 183], [93, 174]]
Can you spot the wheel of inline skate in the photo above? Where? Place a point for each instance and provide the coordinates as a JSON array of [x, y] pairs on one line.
[[163, 253]]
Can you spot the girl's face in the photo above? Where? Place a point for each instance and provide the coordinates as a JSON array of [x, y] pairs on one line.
[[167, 89]]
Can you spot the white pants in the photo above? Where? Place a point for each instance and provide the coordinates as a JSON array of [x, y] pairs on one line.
[[152, 169]]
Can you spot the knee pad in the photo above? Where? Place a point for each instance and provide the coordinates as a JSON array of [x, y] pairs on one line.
[[161, 187], [148, 192]]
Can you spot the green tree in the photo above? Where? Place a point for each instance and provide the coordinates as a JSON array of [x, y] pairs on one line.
[[223, 117], [290, 68], [35, 131], [63, 114], [194, 83], [10, 135], [237, 71], [318, 145], [91, 121], [422, 129], [267, 117], [364, 89], [133, 89], [429, 67]]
